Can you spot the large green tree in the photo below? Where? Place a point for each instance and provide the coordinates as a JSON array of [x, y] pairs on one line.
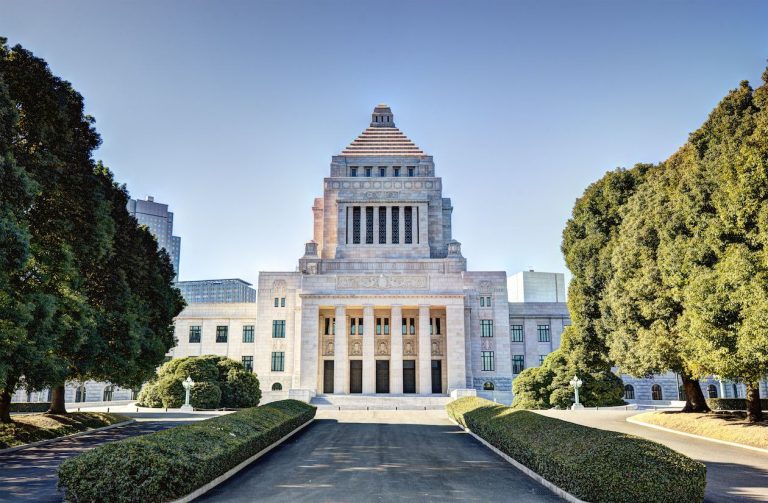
[[86, 293]]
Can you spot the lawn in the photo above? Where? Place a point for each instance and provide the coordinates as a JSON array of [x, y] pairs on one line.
[[730, 426], [28, 428]]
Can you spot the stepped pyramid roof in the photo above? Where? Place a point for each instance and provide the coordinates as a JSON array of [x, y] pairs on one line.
[[382, 138]]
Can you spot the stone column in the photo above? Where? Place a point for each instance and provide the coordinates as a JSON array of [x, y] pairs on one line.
[[423, 224], [454, 351], [424, 364], [364, 225], [310, 335], [396, 350], [389, 225], [376, 225], [340, 354], [369, 359]]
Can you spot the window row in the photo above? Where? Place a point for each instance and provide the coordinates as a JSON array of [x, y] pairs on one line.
[[516, 333], [485, 301], [222, 333], [382, 171], [362, 229], [279, 301], [356, 326]]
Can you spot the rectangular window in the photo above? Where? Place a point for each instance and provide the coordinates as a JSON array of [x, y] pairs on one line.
[[356, 225], [368, 170], [487, 360], [395, 224], [386, 326], [248, 333], [278, 361], [412, 326], [518, 363], [516, 333], [395, 170], [408, 226], [382, 225], [369, 225], [248, 363], [411, 171], [278, 329], [277, 301], [482, 301], [353, 171], [541, 360], [221, 333], [543, 333], [327, 330], [486, 328], [434, 326], [194, 333], [353, 326], [378, 326], [282, 301], [360, 326], [382, 171]]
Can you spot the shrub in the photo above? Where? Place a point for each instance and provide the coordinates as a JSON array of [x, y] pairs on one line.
[[149, 396], [172, 463], [241, 389], [733, 403], [171, 392], [200, 369], [29, 406], [205, 395], [593, 465]]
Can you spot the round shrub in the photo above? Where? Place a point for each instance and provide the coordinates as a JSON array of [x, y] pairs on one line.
[[200, 369], [241, 389], [171, 392], [205, 395], [149, 396]]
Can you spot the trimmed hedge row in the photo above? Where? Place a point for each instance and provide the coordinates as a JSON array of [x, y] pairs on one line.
[[594, 465], [29, 406], [169, 464], [733, 403]]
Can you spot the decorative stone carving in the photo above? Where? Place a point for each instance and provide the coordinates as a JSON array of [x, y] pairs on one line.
[[485, 286], [382, 348], [409, 348], [382, 282], [436, 348], [328, 347], [487, 344], [357, 349], [279, 286], [382, 194]]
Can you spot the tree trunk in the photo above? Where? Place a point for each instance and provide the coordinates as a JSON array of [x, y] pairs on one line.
[[694, 399], [5, 407], [754, 410], [57, 401]]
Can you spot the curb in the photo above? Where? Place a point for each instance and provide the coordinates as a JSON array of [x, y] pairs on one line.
[[222, 478], [64, 437], [570, 498], [692, 435]]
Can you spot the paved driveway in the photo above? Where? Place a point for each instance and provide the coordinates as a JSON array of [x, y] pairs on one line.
[[354, 456], [30, 474], [733, 474]]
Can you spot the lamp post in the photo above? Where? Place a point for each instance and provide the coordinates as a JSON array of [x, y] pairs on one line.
[[187, 383], [576, 383]]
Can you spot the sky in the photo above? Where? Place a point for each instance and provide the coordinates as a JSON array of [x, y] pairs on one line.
[[230, 111]]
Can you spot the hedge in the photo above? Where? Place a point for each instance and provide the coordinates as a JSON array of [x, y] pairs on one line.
[[169, 464], [29, 406], [594, 465], [733, 403]]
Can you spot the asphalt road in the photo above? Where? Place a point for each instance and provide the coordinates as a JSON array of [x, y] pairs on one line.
[[30, 474], [380, 456], [734, 474]]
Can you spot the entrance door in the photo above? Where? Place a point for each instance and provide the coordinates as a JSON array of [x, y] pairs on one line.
[[355, 376], [382, 376], [437, 376], [328, 376], [409, 376]]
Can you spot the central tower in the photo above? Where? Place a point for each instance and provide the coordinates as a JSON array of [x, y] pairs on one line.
[[382, 202]]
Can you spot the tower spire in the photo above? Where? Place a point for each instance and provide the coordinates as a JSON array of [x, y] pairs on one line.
[[382, 116]]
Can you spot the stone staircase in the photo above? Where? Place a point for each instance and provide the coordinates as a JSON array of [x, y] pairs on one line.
[[381, 402]]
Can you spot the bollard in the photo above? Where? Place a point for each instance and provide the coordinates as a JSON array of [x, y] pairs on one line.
[[78, 409], [339, 407], [395, 407], [107, 410], [166, 409], [137, 409], [597, 408]]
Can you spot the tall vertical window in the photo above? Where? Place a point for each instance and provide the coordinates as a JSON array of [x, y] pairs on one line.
[[221, 333], [247, 333], [382, 225], [194, 333], [518, 363], [368, 170], [353, 171], [395, 224], [543, 333], [330, 326], [248, 363], [277, 302], [411, 171], [434, 326], [278, 361], [386, 326], [282, 301], [485, 301], [382, 171], [356, 225], [278, 329], [369, 225], [516, 333], [541, 359], [378, 326], [487, 360], [353, 326], [486, 328], [408, 227], [409, 326], [395, 170]]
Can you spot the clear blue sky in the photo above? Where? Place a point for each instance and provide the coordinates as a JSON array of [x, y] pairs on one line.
[[230, 111]]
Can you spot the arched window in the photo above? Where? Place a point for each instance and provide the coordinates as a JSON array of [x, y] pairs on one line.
[[108, 391], [80, 393], [629, 392], [656, 392], [277, 387], [488, 386], [712, 391]]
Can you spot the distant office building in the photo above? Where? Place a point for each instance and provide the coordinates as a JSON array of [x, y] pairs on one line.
[[159, 221], [214, 291]]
